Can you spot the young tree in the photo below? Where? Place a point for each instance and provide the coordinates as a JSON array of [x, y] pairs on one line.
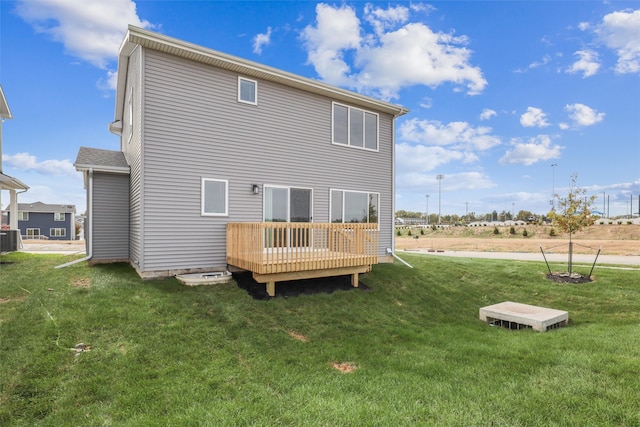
[[573, 213]]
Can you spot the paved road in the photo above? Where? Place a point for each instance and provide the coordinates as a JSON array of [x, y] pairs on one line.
[[633, 261]]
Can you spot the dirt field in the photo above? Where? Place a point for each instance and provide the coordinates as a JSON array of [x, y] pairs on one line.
[[623, 239]]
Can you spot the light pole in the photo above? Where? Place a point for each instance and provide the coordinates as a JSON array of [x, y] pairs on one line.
[[604, 204], [553, 188], [439, 177], [427, 209]]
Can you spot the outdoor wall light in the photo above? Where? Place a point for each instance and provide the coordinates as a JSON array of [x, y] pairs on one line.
[[255, 188]]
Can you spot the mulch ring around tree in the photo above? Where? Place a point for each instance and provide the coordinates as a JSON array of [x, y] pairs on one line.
[[569, 278], [295, 288]]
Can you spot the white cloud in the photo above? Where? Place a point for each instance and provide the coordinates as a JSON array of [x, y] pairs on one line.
[[619, 31], [459, 135], [534, 117], [397, 55], [419, 182], [487, 113], [545, 60], [583, 115], [383, 19], [28, 162], [260, 40], [336, 30], [91, 30], [420, 158], [535, 150], [588, 64]]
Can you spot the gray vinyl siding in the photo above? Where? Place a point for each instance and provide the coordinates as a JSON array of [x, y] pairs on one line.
[[110, 217], [194, 128], [133, 152]]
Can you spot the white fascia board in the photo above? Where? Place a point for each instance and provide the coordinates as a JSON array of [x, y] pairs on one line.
[[107, 169]]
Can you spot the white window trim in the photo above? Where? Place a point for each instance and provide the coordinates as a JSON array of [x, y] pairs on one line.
[[364, 122], [57, 218], [352, 191], [226, 198], [23, 216], [255, 82], [52, 232]]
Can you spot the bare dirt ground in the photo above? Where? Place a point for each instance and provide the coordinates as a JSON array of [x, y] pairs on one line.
[[615, 239]]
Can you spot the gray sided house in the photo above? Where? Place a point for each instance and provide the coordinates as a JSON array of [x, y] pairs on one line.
[[222, 159], [49, 221]]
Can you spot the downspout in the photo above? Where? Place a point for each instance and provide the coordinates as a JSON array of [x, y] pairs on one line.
[[90, 216], [392, 250]]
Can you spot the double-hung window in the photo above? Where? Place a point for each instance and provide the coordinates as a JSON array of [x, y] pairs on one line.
[[215, 197], [247, 91], [354, 206], [58, 216], [354, 127], [23, 216]]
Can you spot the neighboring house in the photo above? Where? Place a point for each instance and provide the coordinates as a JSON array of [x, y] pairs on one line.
[[44, 221], [9, 236], [224, 161]]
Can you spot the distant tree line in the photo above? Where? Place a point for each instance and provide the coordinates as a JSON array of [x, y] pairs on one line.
[[522, 215]]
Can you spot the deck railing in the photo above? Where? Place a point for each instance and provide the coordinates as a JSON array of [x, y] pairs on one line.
[[283, 247]]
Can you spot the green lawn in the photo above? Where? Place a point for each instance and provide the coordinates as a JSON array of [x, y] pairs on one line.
[[165, 354]]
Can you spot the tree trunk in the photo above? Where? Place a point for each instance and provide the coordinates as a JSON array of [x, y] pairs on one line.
[[570, 254]]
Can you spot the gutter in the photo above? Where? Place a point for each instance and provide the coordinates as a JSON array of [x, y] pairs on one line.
[[90, 216]]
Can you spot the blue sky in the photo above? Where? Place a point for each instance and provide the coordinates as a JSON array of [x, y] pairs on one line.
[[498, 91]]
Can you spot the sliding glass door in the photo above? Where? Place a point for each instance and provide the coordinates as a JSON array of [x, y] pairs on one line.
[[287, 204]]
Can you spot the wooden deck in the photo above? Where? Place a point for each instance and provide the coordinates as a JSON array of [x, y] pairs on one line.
[[283, 251]]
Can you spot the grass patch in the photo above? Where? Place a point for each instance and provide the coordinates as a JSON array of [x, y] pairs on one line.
[[408, 351]]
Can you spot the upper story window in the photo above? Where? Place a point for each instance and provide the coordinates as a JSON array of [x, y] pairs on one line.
[[58, 216], [23, 216], [354, 127], [215, 197], [247, 91]]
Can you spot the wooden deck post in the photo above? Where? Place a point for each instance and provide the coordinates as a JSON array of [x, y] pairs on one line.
[[271, 289], [354, 280]]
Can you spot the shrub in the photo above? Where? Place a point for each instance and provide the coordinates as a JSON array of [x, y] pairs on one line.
[[433, 227], [398, 233], [495, 230], [409, 233], [422, 231], [512, 230], [552, 232], [629, 222], [524, 233]]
